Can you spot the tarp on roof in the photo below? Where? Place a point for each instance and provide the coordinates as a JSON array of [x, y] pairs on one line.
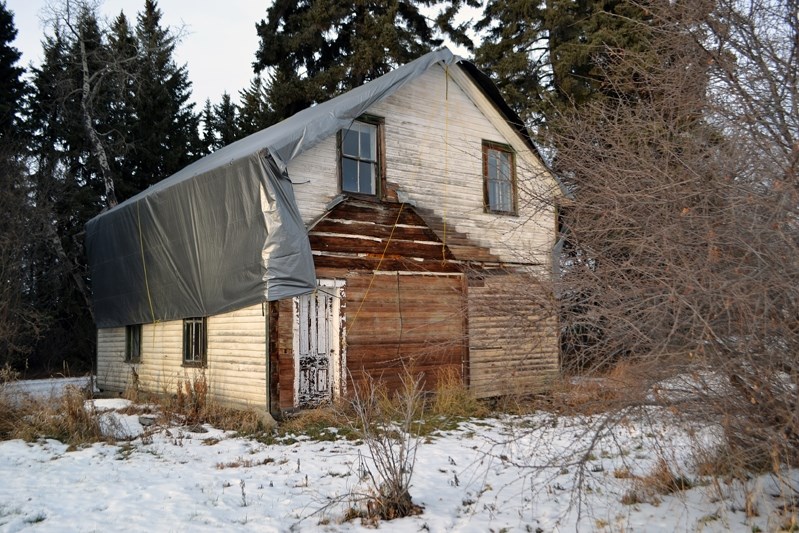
[[224, 232]]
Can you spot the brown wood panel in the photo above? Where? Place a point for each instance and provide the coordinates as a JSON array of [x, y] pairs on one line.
[[355, 262], [285, 350], [397, 247], [398, 323]]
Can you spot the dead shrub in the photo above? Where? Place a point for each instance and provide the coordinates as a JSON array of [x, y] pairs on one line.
[[659, 482], [67, 418], [389, 425], [191, 398]]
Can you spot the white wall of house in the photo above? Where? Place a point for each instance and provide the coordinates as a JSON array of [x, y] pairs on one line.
[[236, 360], [434, 129]]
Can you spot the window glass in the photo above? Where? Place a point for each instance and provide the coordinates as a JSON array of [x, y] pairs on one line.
[[194, 341], [359, 158], [499, 175], [133, 343], [349, 144]]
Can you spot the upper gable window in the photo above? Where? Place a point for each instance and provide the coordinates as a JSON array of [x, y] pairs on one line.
[[499, 177], [359, 158]]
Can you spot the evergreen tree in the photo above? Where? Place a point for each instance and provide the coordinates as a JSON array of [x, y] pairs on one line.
[[226, 122], [549, 54], [122, 51], [68, 188], [12, 86], [207, 135], [316, 49], [19, 321], [254, 110], [165, 126]]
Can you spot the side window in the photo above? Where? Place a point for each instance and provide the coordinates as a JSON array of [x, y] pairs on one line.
[[360, 162], [194, 341], [499, 179], [133, 343]]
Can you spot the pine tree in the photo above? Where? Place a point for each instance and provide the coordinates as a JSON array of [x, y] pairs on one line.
[[552, 54], [316, 49], [166, 127], [12, 86], [254, 110]]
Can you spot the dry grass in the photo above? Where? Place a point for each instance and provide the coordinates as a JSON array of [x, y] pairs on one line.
[[661, 481], [454, 399], [68, 418]]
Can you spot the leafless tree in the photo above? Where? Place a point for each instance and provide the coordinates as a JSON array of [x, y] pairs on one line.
[[681, 253]]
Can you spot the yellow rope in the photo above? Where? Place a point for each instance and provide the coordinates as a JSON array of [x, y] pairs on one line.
[[446, 162], [144, 265], [374, 273]]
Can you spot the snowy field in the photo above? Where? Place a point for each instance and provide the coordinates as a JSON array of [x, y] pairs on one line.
[[480, 477]]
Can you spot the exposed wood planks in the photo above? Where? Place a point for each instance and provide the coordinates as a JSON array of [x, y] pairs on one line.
[[513, 338]]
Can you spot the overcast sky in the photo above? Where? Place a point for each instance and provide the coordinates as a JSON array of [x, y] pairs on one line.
[[218, 44]]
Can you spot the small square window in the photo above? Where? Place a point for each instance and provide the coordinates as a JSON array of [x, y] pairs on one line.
[[133, 343], [194, 341], [359, 158], [499, 177]]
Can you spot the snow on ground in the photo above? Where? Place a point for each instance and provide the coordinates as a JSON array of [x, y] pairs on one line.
[[44, 387], [477, 478]]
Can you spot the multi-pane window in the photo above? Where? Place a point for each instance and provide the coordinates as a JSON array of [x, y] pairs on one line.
[[359, 160], [133, 343], [499, 176], [194, 341]]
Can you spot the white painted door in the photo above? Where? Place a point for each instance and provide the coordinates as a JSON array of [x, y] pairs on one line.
[[317, 342]]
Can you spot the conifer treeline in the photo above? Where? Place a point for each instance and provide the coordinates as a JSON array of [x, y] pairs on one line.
[[120, 82]]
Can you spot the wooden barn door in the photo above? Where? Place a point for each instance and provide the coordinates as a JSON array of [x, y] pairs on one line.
[[318, 357]]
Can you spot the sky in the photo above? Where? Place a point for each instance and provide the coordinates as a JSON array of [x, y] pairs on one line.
[[218, 38]]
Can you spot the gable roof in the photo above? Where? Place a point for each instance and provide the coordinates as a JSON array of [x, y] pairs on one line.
[[225, 232]]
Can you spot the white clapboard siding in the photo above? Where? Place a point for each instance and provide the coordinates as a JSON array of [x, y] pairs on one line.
[[434, 130], [236, 369], [237, 357], [112, 371]]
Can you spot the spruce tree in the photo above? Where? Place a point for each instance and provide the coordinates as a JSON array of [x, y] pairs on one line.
[[208, 133], [316, 49], [254, 110], [165, 126], [19, 320], [226, 122], [551, 54], [12, 86]]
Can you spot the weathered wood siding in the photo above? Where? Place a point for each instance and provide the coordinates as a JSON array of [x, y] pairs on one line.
[[368, 236], [434, 131], [394, 321], [398, 321], [513, 337], [236, 369]]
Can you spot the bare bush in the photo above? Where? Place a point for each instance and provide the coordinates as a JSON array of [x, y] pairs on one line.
[[389, 426], [681, 253], [68, 418]]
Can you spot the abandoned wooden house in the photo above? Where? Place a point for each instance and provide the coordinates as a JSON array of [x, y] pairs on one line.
[[406, 225]]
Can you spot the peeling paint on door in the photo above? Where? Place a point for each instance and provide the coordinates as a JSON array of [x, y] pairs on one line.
[[317, 345]]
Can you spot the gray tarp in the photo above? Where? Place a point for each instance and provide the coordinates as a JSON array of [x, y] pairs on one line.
[[224, 232]]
